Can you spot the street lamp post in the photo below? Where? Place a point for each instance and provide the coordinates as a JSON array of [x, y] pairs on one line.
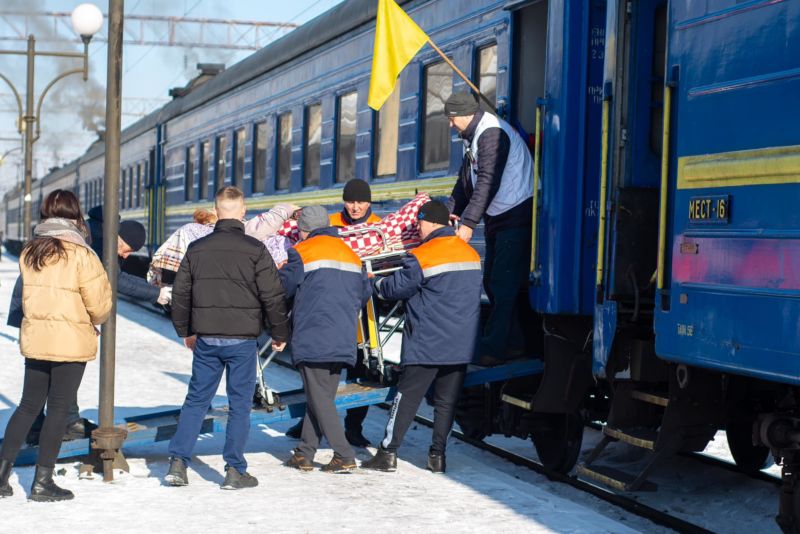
[[87, 19]]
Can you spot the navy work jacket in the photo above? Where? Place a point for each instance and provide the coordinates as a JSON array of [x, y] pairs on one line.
[[329, 287], [441, 283]]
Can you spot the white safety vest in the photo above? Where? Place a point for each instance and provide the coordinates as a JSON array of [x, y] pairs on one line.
[[516, 183]]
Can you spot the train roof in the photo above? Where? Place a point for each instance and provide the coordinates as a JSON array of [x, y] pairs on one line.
[[326, 27]]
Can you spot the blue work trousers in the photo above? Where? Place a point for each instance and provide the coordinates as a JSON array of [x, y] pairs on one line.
[[238, 362], [505, 272]]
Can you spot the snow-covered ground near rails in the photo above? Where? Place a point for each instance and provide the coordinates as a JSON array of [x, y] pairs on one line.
[[479, 492]]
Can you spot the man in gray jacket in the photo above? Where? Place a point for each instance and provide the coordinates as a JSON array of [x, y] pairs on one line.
[[495, 183]]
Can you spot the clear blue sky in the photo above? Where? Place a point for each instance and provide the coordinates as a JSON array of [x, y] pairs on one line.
[[148, 71]]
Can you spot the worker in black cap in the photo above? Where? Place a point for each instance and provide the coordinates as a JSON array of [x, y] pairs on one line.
[[495, 183], [357, 209], [440, 283]]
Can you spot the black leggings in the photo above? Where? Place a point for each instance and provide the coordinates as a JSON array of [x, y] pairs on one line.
[[56, 383]]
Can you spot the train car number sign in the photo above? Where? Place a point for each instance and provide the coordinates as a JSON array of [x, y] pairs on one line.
[[711, 209]]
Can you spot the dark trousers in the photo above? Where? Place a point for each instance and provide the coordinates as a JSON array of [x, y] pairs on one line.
[[320, 381], [209, 361], [354, 419], [505, 272], [55, 383], [414, 382], [73, 416]]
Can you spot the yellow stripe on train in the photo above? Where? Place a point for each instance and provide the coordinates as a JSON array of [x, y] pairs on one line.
[[761, 166], [435, 187]]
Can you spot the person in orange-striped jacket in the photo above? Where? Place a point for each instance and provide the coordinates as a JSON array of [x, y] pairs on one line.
[[440, 282], [357, 197], [329, 287]]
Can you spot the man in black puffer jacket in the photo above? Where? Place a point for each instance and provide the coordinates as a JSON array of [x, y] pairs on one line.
[[226, 292]]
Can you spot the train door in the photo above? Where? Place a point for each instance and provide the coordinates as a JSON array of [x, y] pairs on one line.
[[154, 201], [626, 272]]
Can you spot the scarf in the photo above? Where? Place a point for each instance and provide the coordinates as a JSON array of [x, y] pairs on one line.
[[63, 229]]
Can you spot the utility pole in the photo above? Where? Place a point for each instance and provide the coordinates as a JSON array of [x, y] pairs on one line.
[[108, 439]]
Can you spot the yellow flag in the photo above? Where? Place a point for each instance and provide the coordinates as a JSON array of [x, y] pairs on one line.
[[397, 41]]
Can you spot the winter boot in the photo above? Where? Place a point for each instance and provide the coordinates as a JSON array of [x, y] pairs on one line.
[[5, 473], [235, 480], [176, 476], [44, 489], [80, 429], [339, 464], [436, 462], [356, 438], [382, 461], [298, 461], [295, 431]]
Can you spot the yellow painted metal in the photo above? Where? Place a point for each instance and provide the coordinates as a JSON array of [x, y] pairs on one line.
[[372, 327], [537, 167], [762, 166], [631, 439], [435, 187], [609, 481], [662, 207], [650, 398], [601, 233]]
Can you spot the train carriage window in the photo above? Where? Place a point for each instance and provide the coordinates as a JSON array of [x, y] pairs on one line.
[[188, 178], [142, 183], [239, 142], [122, 189], [129, 197], [219, 169], [205, 154], [138, 192], [487, 75], [346, 138], [284, 174], [313, 138], [436, 132], [260, 157], [386, 135]]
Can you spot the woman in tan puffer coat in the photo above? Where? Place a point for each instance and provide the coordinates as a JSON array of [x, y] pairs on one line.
[[65, 293]]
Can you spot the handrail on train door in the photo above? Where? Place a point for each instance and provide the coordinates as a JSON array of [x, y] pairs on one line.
[[662, 207], [537, 167], [601, 233]]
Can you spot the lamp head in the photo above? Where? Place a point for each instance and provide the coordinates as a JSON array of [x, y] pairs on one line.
[[87, 19]]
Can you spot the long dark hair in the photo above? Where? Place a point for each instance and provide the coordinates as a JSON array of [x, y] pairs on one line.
[[58, 204]]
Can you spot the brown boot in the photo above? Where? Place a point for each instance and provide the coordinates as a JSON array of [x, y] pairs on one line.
[[339, 464], [298, 461]]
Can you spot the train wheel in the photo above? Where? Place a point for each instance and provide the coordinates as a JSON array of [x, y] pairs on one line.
[[558, 439], [749, 458]]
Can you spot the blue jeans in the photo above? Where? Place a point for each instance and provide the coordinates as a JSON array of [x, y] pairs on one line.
[[238, 361]]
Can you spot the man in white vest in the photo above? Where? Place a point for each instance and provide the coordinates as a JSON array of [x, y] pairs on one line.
[[495, 183]]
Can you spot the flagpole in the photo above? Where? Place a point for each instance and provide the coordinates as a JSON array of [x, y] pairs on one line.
[[461, 74]]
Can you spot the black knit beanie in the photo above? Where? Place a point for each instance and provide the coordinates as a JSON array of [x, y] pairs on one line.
[[133, 233], [434, 212], [357, 190]]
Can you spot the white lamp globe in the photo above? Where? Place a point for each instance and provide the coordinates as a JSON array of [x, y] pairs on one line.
[[87, 19]]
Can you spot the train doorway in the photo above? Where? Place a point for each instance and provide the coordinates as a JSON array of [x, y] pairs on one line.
[[530, 47]]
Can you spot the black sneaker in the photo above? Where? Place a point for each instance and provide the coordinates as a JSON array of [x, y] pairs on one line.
[[356, 438], [295, 431], [234, 480], [382, 461], [339, 464], [298, 461], [176, 476], [80, 429], [436, 462]]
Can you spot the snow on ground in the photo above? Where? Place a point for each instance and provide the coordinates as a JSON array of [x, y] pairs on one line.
[[479, 491]]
